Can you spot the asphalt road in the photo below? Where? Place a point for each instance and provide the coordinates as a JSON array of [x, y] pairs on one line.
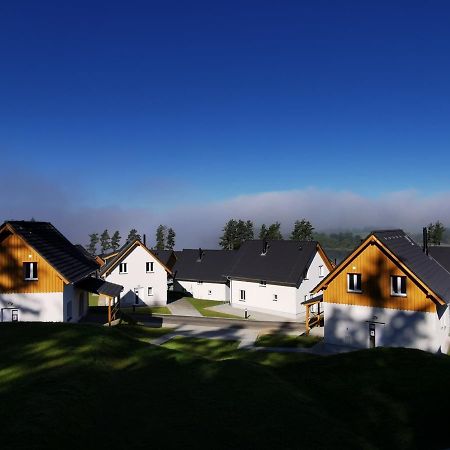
[[162, 320]]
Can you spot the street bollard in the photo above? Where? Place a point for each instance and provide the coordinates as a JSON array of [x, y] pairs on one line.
[[246, 313]]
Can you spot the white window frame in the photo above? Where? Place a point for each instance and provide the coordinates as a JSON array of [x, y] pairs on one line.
[[199, 282], [262, 283], [150, 291], [398, 279], [209, 292], [149, 265], [275, 297], [321, 271], [123, 266], [355, 275], [242, 295], [33, 270]]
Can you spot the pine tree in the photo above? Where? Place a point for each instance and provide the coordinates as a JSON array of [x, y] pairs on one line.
[[132, 235], [160, 237], [170, 244], [115, 241], [93, 241], [273, 232], [227, 239], [105, 242], [263, 231], [435, 233], [303, 230]]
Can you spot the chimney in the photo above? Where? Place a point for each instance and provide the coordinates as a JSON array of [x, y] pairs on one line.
[[265, 246], [425, 240], [144, 240]]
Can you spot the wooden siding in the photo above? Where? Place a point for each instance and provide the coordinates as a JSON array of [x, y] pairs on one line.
[[376, 268], [14, 251]]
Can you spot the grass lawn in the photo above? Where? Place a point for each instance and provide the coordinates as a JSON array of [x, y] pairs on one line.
[[142, 333], [202, 305], [285, 340], [77, 386], [147, 310], [216, 349], [93, 299]]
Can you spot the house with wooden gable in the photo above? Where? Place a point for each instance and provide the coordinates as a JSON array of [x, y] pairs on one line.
[[141, 272], [276, 276], [388, 292], [202, 273], [44, 277]]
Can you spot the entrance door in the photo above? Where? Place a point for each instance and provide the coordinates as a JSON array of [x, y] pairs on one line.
[[10, 315], [136, 296], [372, 335]]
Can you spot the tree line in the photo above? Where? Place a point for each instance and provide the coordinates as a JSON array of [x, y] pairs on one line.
[[236, 232], [103, 243]]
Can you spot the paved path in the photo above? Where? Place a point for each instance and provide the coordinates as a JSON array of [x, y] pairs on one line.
[[213, 322], [255, 315], [182, 307], [245, 337]]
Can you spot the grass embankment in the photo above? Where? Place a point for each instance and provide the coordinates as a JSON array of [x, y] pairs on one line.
[[146, 310], [81, 386], [286, 340], [202, 307]]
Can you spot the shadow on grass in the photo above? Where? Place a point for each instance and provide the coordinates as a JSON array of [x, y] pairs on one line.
[[80, 386]]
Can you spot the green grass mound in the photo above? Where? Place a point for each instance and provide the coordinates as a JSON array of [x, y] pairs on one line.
[[83, 386], [286, 340]]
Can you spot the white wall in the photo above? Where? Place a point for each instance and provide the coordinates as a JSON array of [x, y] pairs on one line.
[[207, 291], [45, 307], [348, 325], [138, 278], [258, 298], [313, 279], [79, 301], [289, 302]]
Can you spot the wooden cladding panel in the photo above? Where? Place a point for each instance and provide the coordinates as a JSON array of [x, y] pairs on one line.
[[14, 251], [376, 268]]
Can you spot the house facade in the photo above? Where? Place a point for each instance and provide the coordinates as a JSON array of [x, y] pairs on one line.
[[276, 276], [201, 273], [388, 292], [40, 274], [141, 273]]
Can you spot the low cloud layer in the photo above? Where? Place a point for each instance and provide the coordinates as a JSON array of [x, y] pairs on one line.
[[200, 224]]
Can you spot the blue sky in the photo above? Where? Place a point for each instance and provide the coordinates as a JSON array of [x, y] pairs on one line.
[[159, 104]]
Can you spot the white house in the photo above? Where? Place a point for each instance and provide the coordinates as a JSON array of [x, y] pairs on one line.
[[44, 277], [201, 273], [388, 292], [276, 276], [140, 272]]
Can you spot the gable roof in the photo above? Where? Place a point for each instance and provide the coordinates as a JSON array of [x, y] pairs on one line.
[[441, 254], [69, 261], [411, 257], [285, 262], [167, 257], [124, 251], [212, 267]]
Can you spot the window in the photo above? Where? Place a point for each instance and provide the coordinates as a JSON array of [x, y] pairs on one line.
[[305, 274], [262, 283], [149, 291], [149, 266], [209, 292], [354, 282], [398, 286], [242, 295], [123, 268], [30, 270], [275, 297], [321, 271], [306, 297], [199, 282]]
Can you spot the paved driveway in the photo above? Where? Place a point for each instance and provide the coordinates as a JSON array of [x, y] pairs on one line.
[[182, 307]]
